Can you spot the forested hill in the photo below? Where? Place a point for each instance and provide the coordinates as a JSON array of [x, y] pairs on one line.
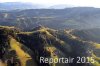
[[19, 48]]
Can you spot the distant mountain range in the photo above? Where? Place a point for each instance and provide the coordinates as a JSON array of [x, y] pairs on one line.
[[85, 19], [74, 18]]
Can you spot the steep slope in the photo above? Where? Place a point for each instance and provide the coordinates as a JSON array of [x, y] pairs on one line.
[[26, 48], [88, 34], [64, 43], [12, 53], [22, 55]]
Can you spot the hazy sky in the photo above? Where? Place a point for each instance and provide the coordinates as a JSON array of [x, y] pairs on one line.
[[90, 3]]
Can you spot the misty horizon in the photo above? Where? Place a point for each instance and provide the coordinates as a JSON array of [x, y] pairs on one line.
[[49, 3], [41, 6]]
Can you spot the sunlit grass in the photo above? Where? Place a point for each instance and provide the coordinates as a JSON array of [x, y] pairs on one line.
[[2, 64], [96, 60], [53, 54], [20, 53], [96, 45], [7, 27]]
